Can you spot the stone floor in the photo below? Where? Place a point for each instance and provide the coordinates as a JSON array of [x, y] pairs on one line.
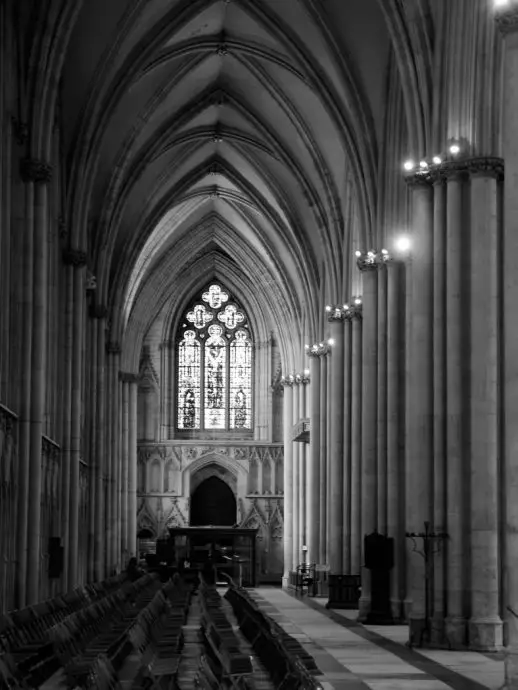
[[352, 656]]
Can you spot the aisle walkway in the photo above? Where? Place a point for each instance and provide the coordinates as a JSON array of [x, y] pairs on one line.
[[356, 657]]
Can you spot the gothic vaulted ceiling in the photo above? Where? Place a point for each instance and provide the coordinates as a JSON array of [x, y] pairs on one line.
[[218, 138]]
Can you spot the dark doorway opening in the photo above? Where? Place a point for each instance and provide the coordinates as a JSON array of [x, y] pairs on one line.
[[213, 503]]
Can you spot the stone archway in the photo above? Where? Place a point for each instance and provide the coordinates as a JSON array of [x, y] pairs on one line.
[[213, 503]]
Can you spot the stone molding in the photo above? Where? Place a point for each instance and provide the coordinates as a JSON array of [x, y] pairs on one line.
[[34, 170], [355, 312], [74, 257], [507, 21], [487, 166], [98, 311], [371, 261], [126, 377], [113, 347], [288, 381], [20, 131], [318, 350]]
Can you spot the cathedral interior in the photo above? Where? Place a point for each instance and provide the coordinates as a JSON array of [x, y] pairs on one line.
[[259, 272]]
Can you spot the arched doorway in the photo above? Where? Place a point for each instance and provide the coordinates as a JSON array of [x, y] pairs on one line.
[[213, 503]]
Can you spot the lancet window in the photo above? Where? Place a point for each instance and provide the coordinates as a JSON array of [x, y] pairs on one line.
[[215, 364]]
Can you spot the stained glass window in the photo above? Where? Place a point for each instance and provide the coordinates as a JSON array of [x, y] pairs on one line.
[[215, 364], [189, 371]]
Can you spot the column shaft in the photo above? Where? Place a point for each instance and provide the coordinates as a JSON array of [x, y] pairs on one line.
[[288, 482], [75, 426], [336, 448], [369, 505], [125, 471], [381, 446], [132, 470], [420, 420], [296, 545], [356, 448], [455, 622], [510, 348], [395, 417], [100, 411], [323, 461], [439, 405], [25, 397], [485, 626], [67, 417], [313, 539], [38, 390], [302, 471], [346, 421]]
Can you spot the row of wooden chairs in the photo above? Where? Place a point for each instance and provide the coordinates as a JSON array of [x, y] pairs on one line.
[[287, 662]]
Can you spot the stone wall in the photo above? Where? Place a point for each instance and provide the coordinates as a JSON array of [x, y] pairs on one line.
[[169, 472]]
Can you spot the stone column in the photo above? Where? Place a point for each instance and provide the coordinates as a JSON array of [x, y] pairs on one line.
[[77, 259], [485, 625], [509, 25], [288, 478], [66, 420], [395, 417], [124, 468], [420, 408], [100, 313], [381, 446], [302, 464], [296, 543], [24, 426], [164, 391], [132, 469], [356, 435], [336, 447], [346, 421], [439, 404], [455, 623], [369, 505], [313, 538], [113, 350], [91, 436], [39, 173], [323, 456]]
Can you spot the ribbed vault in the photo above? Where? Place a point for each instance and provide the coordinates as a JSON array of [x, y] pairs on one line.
[[216, 136]]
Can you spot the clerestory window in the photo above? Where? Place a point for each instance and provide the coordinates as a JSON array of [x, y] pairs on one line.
[[215, 364]]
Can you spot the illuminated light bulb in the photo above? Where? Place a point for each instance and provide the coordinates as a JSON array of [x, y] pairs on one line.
[[371, 253], [306, 372], [346, 306], [330, 341], [437, 160], [306, 347], [357, 253], [321, 345], [357, 301], [328, 308], [454, 149], [402, 244], [384, 252], [423, 165], [409, 165], [501, 3]]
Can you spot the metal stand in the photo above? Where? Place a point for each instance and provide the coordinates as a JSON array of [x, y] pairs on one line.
[[431, 544]]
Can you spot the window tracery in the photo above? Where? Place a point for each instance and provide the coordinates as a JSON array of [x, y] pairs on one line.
[[215, 361]]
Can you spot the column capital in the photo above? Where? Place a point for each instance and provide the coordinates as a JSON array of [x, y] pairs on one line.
[[74, 257], [288, 381], [371, 261], [490, 166], [34, 170], [303, 378], [507, 20], [113, 347], [126, 377], [98, 311], [317, 350], [419, 178]]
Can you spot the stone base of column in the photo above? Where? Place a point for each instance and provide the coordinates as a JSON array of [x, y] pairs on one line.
[[285, 581], [437, 631], [396, 606], [455, 632], [407, 608], [364, 608], [344, 592], [511, 670], [418, 631], [486, 634]]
